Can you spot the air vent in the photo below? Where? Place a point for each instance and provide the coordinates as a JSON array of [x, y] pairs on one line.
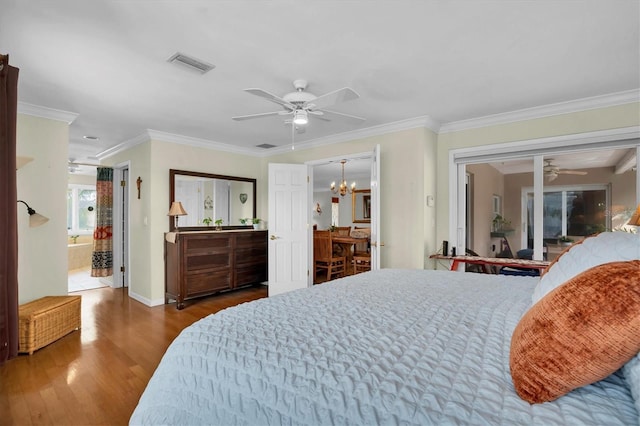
[[192, 63], [265, 146]]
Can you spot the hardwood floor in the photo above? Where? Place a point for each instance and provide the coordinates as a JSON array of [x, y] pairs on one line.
[[96, 375]]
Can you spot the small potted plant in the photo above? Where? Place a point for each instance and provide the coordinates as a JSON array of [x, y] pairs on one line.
[[207, 221], [256, 222], [500, 224], [565, 241], [74, 238], [244, 221], [218, 223]]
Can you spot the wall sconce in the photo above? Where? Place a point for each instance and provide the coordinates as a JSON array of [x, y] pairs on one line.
[[35, 219], [175, 211], [317, 208]]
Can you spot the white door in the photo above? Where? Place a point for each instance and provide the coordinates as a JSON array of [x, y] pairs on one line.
[[376, 242], [288, 229]]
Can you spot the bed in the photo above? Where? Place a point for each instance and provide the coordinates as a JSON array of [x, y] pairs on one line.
[[383, 347]]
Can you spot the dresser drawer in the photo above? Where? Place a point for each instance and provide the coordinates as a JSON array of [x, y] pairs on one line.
[[250, 275], [202, 244], [206, 283], [211, 261]]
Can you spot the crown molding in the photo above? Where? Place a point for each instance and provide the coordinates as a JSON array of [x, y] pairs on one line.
[[44, 112], [584, 104], [151, 134], [425, 121], [397, 126], [200, 143], [128, 144], [598, 139]]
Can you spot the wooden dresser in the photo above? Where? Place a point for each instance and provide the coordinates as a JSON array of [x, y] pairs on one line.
[[201, 263]]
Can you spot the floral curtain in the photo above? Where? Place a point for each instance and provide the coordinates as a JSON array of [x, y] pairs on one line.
[[8, 214], [102, 258]]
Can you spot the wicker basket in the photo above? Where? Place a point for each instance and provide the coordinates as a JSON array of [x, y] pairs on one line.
[[45, 320]]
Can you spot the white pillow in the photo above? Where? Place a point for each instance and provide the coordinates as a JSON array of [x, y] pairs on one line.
[[593, 251]]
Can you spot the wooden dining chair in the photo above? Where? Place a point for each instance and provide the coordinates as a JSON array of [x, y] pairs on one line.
[[361, 263], [364, 247], [338, 250], [342, 230], [323, 257], [362, 251]]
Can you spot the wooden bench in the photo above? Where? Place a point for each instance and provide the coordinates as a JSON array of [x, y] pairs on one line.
[[47, 319]]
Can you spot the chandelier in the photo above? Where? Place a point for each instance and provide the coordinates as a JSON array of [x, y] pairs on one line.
[[343, 188]]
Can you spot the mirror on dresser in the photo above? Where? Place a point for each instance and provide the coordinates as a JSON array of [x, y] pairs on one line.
[[210, 196]]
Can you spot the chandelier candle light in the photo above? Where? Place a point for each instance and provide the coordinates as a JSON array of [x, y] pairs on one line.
[[343, 189]]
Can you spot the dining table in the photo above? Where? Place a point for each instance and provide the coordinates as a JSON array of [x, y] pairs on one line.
[[348, 243]]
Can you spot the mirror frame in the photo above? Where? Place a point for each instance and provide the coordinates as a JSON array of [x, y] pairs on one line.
[[172, 193], [358, 204]]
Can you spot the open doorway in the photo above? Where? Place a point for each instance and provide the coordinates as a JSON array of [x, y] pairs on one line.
[[340, 215], [81, 216]]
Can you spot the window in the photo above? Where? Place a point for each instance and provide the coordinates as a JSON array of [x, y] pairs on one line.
[[81, 204], [571, 210]]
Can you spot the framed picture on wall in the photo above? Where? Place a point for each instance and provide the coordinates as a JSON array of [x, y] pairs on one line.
[[361, 206]]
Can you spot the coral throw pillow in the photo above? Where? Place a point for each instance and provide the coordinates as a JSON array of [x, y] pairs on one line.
[[579, 333]]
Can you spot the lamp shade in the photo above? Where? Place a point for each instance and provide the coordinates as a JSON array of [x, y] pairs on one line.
[[35, 219], [635, 218], [176, 209]]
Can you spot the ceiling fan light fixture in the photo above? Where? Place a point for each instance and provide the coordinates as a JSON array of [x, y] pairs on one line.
[[300, 117]]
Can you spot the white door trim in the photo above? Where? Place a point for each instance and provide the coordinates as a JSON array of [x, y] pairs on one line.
[[117, 227]]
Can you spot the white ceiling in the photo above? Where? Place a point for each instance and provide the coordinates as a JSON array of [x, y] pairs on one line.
[[448, 60]]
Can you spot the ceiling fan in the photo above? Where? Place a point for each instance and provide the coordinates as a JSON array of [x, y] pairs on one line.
[[301, 105], [551, 171]]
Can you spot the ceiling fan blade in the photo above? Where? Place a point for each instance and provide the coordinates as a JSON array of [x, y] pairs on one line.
[[250, 116], [318, 117], [332, 98], [270, 97], [571, 172], [342, 115]]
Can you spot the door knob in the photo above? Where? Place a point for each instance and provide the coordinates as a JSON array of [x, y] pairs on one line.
[[273, 237], [375, 244]]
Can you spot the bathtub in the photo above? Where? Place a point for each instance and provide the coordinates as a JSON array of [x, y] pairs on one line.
[[80, 255]]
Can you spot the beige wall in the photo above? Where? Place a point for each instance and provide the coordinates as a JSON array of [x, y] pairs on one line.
[[565, 124], [407, 176], [413, 162], [152, 161], [487, 182], [42, 183]]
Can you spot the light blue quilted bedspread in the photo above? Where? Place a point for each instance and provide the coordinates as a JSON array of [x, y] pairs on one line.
[[385, 347]]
